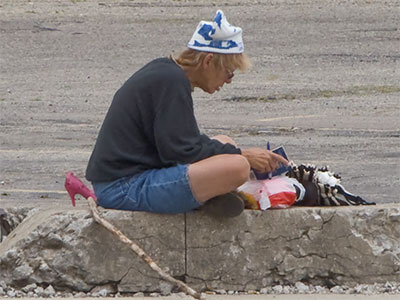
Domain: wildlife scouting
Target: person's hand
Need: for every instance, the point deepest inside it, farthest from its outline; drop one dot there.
(263, 160)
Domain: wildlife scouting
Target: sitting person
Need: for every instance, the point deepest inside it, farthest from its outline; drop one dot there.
(150, 154)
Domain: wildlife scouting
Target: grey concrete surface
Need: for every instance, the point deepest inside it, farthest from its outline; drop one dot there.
(320, 246)
(325, 84)
(68, 250)
(326, 247)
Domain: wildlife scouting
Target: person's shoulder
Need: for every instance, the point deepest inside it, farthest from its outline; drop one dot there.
(166, 71)
(160, 72)
(166, 66)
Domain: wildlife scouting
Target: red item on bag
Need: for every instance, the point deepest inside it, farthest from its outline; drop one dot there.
(278, 192)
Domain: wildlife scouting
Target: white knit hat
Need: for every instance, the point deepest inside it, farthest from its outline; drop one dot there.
(217, 36)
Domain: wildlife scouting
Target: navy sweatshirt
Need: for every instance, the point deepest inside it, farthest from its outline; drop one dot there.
(150, 125)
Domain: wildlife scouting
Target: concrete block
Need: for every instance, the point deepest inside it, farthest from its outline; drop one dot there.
(67, 249)
(321, 246)
(327, 246)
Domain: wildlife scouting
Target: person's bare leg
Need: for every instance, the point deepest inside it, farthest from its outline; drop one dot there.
(217, 175)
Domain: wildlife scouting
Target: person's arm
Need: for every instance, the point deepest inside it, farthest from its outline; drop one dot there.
(259, 159)
(215, 141)
(263, 160)
(176, 132)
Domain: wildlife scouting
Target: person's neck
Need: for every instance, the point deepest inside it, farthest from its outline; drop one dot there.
(190, 73)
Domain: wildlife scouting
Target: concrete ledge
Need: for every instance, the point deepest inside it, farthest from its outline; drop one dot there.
(68, 250)
(326, 246)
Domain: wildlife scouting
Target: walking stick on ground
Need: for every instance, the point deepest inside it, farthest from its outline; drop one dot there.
(74, 186)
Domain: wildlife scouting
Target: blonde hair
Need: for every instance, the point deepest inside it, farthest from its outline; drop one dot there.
(193, 58)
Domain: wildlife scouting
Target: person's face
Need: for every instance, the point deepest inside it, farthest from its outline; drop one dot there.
(213, 78)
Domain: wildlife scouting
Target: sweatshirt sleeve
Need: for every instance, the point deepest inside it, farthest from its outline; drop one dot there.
(207, 140)
(177, 136)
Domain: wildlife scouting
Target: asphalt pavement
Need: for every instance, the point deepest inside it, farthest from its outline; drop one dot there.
(325, 84)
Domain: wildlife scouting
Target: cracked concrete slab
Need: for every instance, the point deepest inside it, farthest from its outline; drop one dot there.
(327, 246)
(320, 246)
(325, 84)
(69, 251)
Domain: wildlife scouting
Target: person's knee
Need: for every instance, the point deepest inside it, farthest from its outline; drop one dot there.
(241, 168)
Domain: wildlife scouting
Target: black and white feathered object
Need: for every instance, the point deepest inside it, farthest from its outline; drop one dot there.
(323, 187)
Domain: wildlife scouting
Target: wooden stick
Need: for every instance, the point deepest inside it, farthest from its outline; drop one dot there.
(139, 251)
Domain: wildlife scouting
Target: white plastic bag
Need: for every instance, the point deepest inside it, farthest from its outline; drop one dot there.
(277, 192)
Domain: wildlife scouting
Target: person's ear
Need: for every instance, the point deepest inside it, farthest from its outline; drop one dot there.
(207, 60)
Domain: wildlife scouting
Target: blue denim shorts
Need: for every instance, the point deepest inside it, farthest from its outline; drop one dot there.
(164, 190)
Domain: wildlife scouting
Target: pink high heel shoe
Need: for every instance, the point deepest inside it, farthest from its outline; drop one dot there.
(74, 186)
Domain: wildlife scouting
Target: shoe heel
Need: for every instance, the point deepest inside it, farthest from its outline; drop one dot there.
(72, 196)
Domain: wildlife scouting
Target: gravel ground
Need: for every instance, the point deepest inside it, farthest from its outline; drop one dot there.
(34, 291)
(261, 297)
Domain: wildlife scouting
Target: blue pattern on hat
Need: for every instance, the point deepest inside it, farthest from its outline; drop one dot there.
(218, 19)
(205, 30)
(217, 44)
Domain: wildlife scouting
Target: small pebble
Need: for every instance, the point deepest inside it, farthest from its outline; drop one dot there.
(301, 287)
(80, 295)
(11, 294)
(358, 289)
(210, 293)
(371, 290)
(180, 294)
(140, 294)
(319, 289)
(29, 288)
(103, 293)
(3, 285)
(49, 291)
(337, 290)
(388, 285)
(278, 289)
(351, 291)
(39, 291)
(286, 290)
